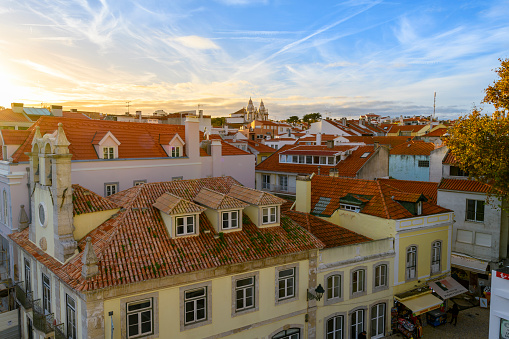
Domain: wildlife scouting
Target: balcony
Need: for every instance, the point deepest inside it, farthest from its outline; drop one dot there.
(59, 332)
(42, 322)
(24, 298)
(282, 189)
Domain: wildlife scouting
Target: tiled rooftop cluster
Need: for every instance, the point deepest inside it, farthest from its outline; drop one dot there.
(134, 245)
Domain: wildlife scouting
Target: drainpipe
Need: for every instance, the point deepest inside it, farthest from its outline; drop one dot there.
(27, 169)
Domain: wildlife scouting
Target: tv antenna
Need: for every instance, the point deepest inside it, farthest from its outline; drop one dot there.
(434, 102)
(127, 102)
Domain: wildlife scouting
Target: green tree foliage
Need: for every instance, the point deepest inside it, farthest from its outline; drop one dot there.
(293, 119)
(311, 117)
(480, 142)
(218, 122)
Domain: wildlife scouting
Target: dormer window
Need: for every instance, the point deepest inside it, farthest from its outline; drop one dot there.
(108, 153)
(352, 208)
(230, 220)
(419, 208)
(269, 215)
(223, 210)
(175, 151)
(185, 225)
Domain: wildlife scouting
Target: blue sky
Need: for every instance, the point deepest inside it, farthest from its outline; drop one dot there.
(340, 58)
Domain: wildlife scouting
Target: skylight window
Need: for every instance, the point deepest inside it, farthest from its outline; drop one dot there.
(365, 154)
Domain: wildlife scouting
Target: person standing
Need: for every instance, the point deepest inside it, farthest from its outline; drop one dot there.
(454, 312)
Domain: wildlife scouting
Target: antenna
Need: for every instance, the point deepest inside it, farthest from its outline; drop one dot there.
(434, 102)
(127, 102)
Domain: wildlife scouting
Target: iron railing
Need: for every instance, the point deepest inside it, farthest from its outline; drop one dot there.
(279, 188)
(24, 298)
(60, 331)
(42, 322)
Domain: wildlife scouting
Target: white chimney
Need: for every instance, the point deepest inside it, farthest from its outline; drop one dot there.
(17, 107)
(138, 115)
(318, 139)
(56, 110)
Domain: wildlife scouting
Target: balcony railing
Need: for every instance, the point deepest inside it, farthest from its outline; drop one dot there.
(59, 332)
(42, 322)
(279, 188)
(24, 298)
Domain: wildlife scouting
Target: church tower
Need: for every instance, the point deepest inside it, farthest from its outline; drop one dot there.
(250, 111)
(263, 113)
(52, 227)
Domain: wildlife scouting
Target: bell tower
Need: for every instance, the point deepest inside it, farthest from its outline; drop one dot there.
(52, 208)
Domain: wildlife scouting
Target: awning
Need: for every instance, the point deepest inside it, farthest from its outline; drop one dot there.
(447, 288)
(423, 303)
(469, 263)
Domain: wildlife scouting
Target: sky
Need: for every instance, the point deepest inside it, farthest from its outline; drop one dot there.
(339, 58)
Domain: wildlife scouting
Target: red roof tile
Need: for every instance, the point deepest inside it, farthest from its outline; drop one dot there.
(135, 245)
(429, 189)
(86, 201)
(74, 115)
(437, 133)
(9, 116)
(414, 147)
(449, 159)
(464, 185)
(258, 146)
(13, 137)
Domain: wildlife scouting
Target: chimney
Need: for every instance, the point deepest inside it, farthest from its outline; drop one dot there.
(89, 260)
(73, 110)
(192, 136)
(318, 139)
(343, 121)
(216, 150)
(17, 107)
(56, 110)
(138, 115)
(361, 122)
(200, 113)
(330, 143)
(376, 145)
(344, 155)
(401, 119)
(303, 193)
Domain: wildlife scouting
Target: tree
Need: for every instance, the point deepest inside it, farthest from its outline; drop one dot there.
(311, 117)
(217, 122)
(293, 119)
(480, 142)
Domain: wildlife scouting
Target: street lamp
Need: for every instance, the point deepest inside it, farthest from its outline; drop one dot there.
(319, 292)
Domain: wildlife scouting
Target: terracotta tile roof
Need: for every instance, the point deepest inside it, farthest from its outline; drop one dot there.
(449, 159)
(228, 149)
(254, 197)
(437, 133)
(287, 205)
(464, 185)
(390, 141)
(217, 201)
(9, 116)
(330, 234)
(13, 137)
(171, 204)
(75, 115)
(414, 147)
(407, 197)
(258, 146)
(379, 195)
(86, 201)
(346, 168)
(405, 128)
(429, 189)
(135, 245)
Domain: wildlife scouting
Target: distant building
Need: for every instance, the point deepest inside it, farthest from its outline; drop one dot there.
(411, 161)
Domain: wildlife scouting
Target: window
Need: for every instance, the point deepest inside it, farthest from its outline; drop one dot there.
(185, 225)
(423, 163)
(110, 188)
(455, 171)
(436, 254)
(411, 262)
(195, 302)
(108, 153)
(71, 317)
(28, 277)
(381, 275)
(286, 284)
(265, 182)
(269, 215)
(358, 281)
(357, 323)
(292, 333)
(175, 151)
(230, 220)
(334, 329)
(282, 158)
(244, 294)
(46, 294)
(334, 287)
(475, 210)
(283, 182)
(139, 318)
(365, 154)
(5, 207)
(177, 178)
(139, 182)
(352, 208)
(377, 321)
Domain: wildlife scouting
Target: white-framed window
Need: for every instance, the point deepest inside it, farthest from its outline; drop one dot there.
(282, 158)
(436, 254)
(381, 275)
(46, 294)
(347, 207)
(108, 152)
(334, 286)
(283, 182)
(110, 188)
(378, 321)
(411, 262)
(358, 281)
(70, 311)
(475, 210)
(286, 284)
(244, 294)
(291, 333)
(139, 318)
(185, 225)
(195, 305)
(139, 182)
(269, 215)
(230, 220)
(28, 277)
(175, 151)
(177, 178)
(265, 181)
(356, 323)
(334, 329)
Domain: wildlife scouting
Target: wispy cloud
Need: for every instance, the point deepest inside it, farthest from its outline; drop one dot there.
(197, 42)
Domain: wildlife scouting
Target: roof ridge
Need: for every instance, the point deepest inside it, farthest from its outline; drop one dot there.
(382, 195)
